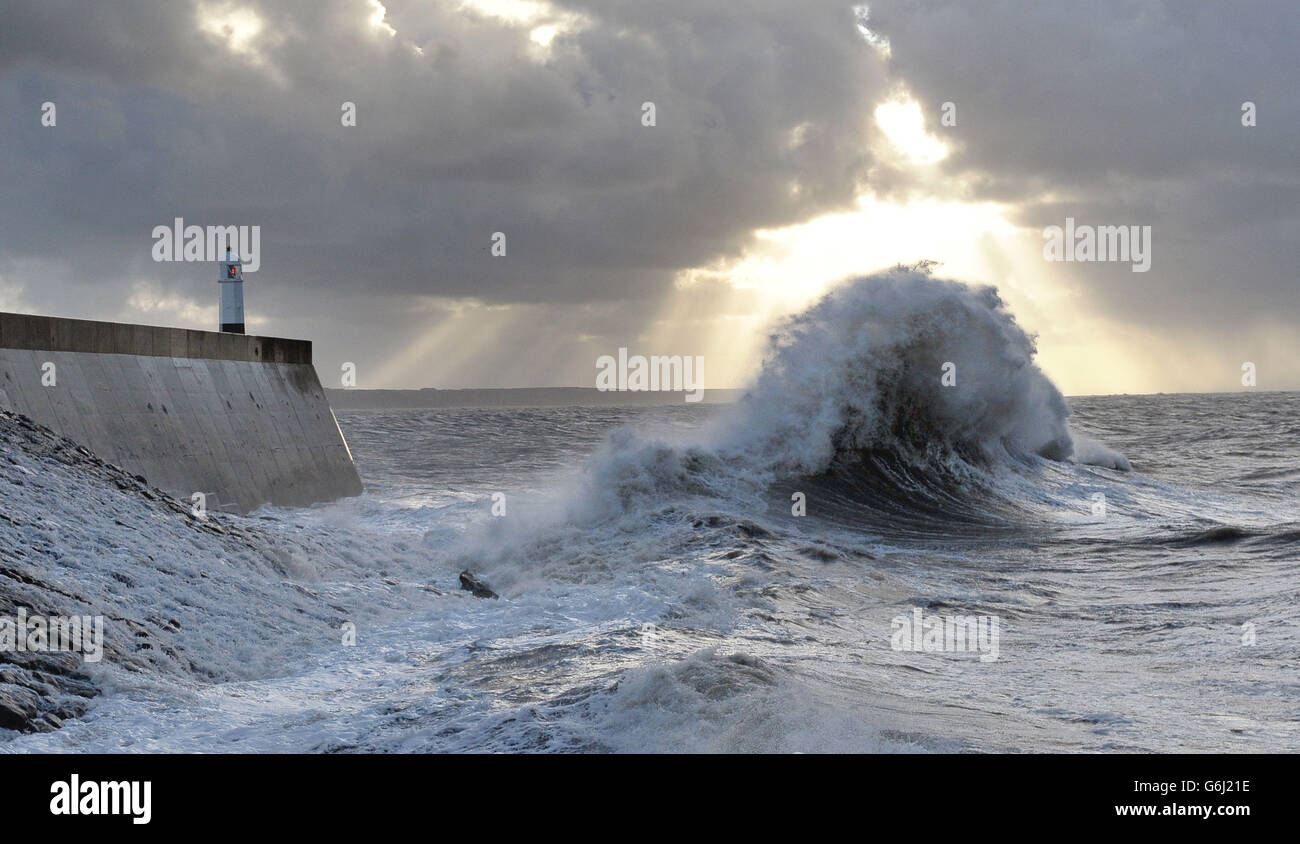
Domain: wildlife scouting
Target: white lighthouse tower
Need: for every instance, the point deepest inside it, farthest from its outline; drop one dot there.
(232, 292)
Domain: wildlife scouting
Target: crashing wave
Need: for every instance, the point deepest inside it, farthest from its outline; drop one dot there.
(857, 380)
(863, 370)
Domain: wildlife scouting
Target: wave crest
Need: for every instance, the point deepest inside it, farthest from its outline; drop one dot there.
(861, 371)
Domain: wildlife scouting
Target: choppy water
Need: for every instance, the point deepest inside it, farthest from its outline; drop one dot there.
(1120, 631)
(659, 594)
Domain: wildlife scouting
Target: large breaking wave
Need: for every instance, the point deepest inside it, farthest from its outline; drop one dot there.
(862, 371)
(855, 384)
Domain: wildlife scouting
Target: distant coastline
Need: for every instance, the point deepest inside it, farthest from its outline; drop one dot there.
(357, 399)
(428, 397)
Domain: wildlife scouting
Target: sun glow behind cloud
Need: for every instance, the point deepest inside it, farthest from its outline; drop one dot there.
(903, 125)
(543, 21)
(787, 269)
(377, 15)
(238, 27)
(241, 30)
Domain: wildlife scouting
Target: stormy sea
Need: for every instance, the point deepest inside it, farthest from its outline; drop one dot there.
(776, 574)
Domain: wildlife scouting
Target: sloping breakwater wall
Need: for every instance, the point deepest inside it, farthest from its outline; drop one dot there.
(240, 418)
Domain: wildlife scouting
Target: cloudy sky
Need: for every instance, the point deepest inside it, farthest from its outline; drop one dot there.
(794, 143)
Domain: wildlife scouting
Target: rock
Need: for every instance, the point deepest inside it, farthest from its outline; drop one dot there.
(18, 707)
(470, 583)
(12, 718)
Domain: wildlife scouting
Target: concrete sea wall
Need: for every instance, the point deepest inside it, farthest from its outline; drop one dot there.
(240, 418)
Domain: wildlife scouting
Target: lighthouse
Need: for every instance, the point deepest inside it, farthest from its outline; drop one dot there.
(232, 292)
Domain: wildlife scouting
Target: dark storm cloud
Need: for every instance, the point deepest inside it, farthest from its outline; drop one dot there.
(157, 119)
(1127, 113)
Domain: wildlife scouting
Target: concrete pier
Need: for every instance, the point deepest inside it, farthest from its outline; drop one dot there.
(240, 418)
